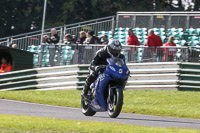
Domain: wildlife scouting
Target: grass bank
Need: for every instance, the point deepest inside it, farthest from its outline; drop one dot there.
(28, 124)
(161, 103)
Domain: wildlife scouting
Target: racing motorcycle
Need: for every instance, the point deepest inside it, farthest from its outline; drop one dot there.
(106, 93)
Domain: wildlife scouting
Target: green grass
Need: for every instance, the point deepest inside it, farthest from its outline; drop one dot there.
(161, 103)
(28, 124)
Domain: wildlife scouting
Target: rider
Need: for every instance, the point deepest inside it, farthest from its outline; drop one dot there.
(113, 49)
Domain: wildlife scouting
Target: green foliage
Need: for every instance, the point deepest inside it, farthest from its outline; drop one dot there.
(19, 14)
(162, 103)
(28, 124)
(24, 14)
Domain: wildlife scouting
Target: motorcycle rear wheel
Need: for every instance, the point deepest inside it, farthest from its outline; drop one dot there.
(115, 105)
(86, 110)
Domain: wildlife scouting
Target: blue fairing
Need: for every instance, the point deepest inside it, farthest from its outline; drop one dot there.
(116, 70)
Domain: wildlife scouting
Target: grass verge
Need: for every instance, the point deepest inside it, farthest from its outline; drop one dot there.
(161, 103)
(28, 124)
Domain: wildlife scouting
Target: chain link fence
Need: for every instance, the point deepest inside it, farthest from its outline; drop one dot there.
(165, 20)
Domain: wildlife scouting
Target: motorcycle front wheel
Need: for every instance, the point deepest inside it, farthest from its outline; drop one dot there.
(86, 110)
(115, 104)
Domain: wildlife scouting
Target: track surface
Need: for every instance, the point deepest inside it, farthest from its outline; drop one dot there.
(31, 109)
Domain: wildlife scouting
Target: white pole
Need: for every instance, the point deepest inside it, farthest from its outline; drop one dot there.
(43, 21)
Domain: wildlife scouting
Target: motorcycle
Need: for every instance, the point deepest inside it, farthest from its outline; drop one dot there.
(106, 93)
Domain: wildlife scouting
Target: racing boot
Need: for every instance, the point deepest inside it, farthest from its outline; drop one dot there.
(85, 92)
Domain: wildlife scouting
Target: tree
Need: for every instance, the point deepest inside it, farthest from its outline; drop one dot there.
(17, 16)
(20, 16)
(197, 5)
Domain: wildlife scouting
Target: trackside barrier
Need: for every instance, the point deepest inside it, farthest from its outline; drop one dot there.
(65, 77)
(162, 76)
(189, 76)
(144, 76)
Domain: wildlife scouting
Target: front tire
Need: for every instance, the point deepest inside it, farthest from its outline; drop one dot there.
(115, 105)
(86, 110)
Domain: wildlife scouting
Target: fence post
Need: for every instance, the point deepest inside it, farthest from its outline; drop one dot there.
(113, 23)
(7, 41)
(117, 21)
(134, 21)
(41, 55)
(169, 22)
(151, 22)
(61, 35)
(188, 22)
(64, 32)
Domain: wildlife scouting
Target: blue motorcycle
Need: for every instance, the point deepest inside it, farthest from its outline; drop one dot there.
(106, 93)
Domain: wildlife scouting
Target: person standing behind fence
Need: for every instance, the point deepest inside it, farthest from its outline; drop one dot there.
(52, 41)
(132, 38)
(11, 45)
(91, 39)
(81, 39)
(132, 41)
(154, 41)
(170, 53)
(105, 39)
(69, 39)
(54, 37)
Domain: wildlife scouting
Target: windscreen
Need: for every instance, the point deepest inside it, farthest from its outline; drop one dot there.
(117, 61)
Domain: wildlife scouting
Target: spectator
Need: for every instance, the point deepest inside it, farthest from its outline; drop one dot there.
(82, 37)
(185, 52)
(9, 44)
(170, 53)
(193, 53)
(132, 38)
(52, 41)
(105, 39)
(14, 46)
(154, 41)
(5, 65)
(132, 41)
(69, 39)
(91, 39)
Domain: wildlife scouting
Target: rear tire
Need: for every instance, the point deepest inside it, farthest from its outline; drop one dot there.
(86, 110)
(115, 107)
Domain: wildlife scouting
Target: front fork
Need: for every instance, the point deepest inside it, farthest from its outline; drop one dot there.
(110, 94)
(111, 91)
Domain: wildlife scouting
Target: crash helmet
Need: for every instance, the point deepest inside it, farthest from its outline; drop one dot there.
(114, 48)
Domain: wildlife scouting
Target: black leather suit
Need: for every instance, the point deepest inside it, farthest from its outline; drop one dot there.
(100, 59)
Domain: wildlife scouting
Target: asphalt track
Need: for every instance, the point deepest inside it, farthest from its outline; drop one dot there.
(12, 107)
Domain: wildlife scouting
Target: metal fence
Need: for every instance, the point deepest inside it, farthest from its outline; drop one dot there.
(83, 54)
(102, 24)
(33, 38)
(28, 39)
(123, 19)
(165, 20)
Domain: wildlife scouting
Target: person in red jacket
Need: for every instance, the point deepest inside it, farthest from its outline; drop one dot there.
(170, 53)
(154, 41)
(5, 66)
(132, 40)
